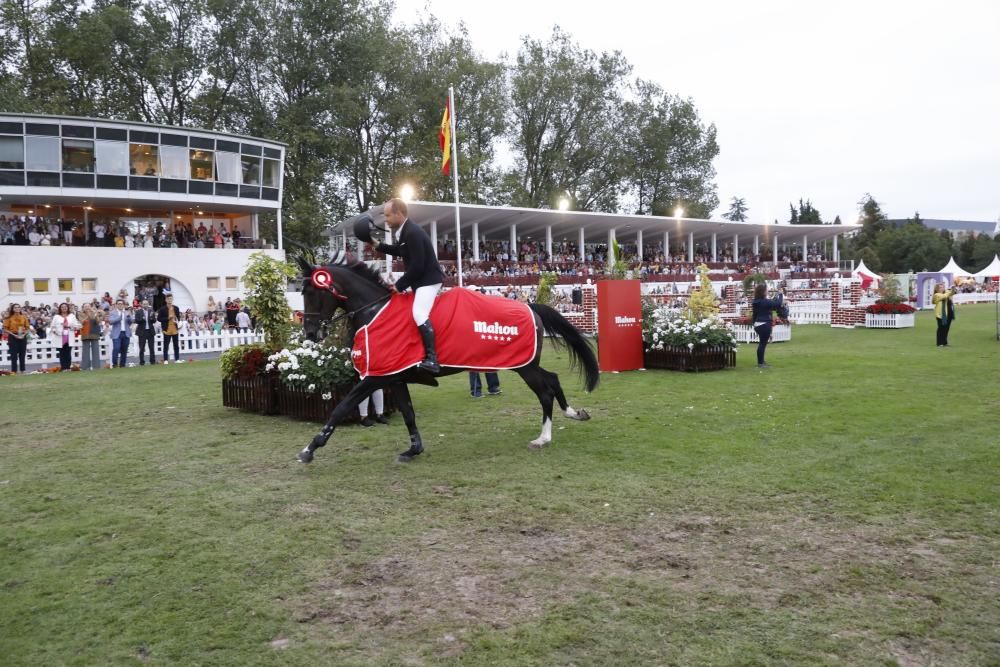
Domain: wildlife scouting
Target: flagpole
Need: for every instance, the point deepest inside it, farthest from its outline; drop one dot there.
(454, 171)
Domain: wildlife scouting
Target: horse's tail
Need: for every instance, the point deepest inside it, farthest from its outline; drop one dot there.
(563, 332)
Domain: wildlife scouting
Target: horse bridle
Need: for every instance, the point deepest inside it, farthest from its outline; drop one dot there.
(322, 279)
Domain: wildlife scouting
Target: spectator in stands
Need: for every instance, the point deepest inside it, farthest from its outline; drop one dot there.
(121, 332)
(762, 314)
(64, 327)
(18, 328)
(492, 384)
(91, 329)
(169, 317)
(145, 329)
(944, 312)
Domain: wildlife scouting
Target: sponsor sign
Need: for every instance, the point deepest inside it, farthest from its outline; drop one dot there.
(619, 325)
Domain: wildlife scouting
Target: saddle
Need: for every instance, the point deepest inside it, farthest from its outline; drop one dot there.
(473, 331)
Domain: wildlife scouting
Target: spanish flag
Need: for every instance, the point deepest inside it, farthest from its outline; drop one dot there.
(444, 138)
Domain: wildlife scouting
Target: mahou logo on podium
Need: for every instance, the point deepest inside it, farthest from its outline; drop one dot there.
(619, 325)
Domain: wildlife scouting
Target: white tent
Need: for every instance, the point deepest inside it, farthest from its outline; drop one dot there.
(955, 270)
(864, 274)
(991, 271)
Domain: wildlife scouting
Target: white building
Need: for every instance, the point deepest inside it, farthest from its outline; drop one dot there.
(92, 173)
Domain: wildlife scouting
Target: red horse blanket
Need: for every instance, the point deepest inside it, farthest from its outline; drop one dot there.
(471, 330)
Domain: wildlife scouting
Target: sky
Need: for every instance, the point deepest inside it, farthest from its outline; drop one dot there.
(819, 101)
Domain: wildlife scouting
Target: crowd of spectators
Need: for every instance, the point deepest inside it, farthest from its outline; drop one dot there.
(49, 321)
(42, 231)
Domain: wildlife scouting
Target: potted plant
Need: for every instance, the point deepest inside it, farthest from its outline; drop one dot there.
(696, 339)
(890, 310)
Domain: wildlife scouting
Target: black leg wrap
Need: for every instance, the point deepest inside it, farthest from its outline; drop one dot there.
(416, 447)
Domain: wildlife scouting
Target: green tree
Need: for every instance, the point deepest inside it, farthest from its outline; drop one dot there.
(669, 154)
(737, 210)
(805, 214)
(566, 112)
(910, 247)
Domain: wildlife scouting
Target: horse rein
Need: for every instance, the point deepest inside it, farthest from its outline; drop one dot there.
(349, 313)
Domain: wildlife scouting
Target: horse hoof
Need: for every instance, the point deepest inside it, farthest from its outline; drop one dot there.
(582, 415)
(537, 444)
(409, 454)
(305, 456)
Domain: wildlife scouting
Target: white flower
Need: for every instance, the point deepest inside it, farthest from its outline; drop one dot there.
(284, 366)
(327, 396)
(703, 341)
(269, 367)
(312, 387)
(690, 346)
(319, 363)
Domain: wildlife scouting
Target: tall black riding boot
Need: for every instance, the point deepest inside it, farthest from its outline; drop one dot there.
(430, 362)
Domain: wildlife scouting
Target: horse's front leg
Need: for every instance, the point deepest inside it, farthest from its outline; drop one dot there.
(401, 392)
(343, 409)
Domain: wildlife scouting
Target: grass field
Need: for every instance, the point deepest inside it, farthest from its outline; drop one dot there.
(840, 508)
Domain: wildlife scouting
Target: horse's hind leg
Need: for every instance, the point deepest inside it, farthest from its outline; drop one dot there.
(556, 387)
(350, 403)
(535, 378)
(401, 392)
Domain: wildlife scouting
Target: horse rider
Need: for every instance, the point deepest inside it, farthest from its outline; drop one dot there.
(421, 272)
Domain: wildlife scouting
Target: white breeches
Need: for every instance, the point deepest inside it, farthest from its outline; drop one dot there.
(423, 301)
(376, 398)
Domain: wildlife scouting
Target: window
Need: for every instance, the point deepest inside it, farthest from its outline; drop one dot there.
(15, 285)
(213, 283)
(232, 282)
(144, 159)
(112, 158)
(77, 155)
(11, 153)
(41, 285)
(88, 284)
(42, 153)
(174, 162)
(251, 170)
(271, 176)
(201, 165)
(227, 167)
(65, 284)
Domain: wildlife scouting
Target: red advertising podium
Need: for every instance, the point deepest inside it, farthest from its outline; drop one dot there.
(619, 325)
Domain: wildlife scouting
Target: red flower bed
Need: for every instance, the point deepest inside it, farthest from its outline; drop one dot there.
(747, 321)
(890, 309)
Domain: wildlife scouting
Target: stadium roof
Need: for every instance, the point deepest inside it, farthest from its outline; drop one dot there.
(495, 222)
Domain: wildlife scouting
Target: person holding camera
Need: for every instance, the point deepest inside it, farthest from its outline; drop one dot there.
(761, 318)
(145, 329)
(944, 311)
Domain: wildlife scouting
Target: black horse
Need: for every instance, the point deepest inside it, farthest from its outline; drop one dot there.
(360, 291)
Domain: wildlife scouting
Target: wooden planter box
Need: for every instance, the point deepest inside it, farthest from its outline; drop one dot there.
(745, 333)
(700, 358)
(889, 321)
(256, 394)
(266, 395)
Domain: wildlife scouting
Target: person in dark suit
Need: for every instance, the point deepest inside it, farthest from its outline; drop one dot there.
(145, 319)
(422, 273)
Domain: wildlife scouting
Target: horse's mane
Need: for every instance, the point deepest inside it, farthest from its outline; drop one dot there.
(361, 269)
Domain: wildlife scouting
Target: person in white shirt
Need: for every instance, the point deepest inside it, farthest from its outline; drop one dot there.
(34, 238)
(64, 327)
(99, 233)
(243, 321)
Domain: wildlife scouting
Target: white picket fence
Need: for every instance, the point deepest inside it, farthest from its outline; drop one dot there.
(973, 297)
(45, 351)
(809, 312)
(747, 334)
(889, 321)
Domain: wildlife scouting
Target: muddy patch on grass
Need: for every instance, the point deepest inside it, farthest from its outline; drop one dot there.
(454, 582)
